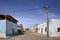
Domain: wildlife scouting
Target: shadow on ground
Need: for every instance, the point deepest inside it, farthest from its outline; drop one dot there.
(18, 34)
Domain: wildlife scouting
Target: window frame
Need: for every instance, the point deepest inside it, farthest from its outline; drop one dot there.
(58, 29)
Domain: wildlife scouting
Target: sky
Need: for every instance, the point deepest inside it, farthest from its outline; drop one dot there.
(30, 12)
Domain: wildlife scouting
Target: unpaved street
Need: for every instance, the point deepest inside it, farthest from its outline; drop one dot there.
(30, 36)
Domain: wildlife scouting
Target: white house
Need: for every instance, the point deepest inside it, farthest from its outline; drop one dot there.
(42, 28)
(54, 28)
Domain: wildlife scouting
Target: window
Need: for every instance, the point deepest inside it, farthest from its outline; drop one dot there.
(45, 29)
(58, 29)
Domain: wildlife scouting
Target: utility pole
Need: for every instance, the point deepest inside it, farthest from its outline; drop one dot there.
(47, 21)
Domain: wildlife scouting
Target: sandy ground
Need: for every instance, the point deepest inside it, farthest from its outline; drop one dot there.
(31, 36)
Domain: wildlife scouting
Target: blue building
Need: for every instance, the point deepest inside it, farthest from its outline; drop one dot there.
(8, 25)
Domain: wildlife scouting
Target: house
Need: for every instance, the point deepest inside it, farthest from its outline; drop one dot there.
(20, 28)
(8, 25)
(42, 28)
(54, 28)
(34, 28)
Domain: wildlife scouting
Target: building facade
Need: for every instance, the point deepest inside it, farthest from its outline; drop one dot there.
(42, 28)
(54, 28)
(8, 25)
(20, 26)
(35, 28)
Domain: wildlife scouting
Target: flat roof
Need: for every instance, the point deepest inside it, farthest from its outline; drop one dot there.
(9, 16)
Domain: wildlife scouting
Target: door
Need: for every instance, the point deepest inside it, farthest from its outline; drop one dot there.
(36, 29)
(12, 30)
(41, 30)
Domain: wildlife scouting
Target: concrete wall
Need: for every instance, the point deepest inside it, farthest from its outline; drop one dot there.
(9, 27)
(53, 25)
(41, 27)
(2, 28)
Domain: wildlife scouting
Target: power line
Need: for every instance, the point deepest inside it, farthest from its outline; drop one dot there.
(23, 10)
(29, 9)
(51, 5)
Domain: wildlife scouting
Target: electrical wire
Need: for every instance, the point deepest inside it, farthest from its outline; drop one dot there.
(50, 6)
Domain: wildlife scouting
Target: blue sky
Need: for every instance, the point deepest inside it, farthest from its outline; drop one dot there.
(30, 12)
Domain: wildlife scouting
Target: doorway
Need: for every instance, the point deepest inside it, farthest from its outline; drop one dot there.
(41, 30)
(36, 29)
(12, 30)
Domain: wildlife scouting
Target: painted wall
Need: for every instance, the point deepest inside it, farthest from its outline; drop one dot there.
(33, 29)
(41, 29)
(9, 27)
(2, 28)
(53, 25)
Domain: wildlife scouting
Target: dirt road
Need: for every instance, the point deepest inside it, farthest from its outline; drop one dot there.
(30, 36)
